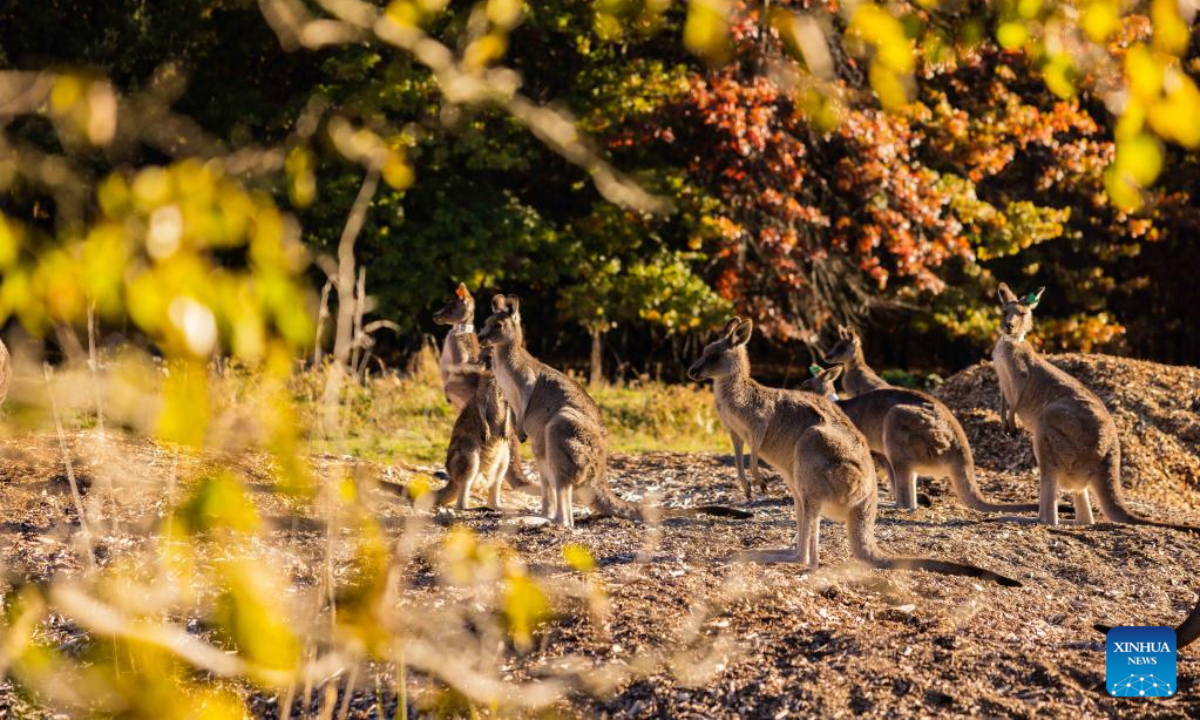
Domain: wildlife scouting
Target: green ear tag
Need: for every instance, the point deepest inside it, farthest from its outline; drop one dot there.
(1031, 298)
(815, 370)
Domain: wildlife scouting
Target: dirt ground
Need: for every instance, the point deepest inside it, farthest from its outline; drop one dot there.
(691, 633)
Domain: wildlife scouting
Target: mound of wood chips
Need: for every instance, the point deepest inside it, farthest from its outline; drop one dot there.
(1156, 408)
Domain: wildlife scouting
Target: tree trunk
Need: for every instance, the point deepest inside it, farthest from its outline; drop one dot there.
(596, 376)
(344, 329)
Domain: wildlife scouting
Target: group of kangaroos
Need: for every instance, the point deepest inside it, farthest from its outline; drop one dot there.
(824, 445)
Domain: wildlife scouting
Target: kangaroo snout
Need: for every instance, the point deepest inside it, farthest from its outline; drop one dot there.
(693, 372)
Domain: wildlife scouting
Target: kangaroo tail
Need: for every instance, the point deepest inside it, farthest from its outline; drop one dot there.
(1189, 631)
(1111, 498)
(606, 503)
(963, 480)
(1185, 634)
(713, 510)
(860, 527)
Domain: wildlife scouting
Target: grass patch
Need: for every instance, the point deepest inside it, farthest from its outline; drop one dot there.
(404, 418)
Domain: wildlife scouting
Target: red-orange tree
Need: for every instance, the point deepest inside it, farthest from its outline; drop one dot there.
(820, 204)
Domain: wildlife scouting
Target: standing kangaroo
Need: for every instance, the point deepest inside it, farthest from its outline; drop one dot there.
(1186, 634)
(740, 440)
(563, 423)
(1075, 439)
(479, 443)
(823, 458)
(460, 370)
(912, 434)
(857, 376)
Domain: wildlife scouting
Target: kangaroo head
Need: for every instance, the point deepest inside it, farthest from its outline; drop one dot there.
(822, 381)
(460, 309)
(503, 326)
(1016, 314)
(723, 356)
(847, 347)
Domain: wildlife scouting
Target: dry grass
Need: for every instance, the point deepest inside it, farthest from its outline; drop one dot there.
(404, 418)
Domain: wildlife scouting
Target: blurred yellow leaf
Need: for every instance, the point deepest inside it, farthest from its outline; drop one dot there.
(11, 234)
(1140, 158)
(1171, 33)
(1143, 72)
(403, 13)
(578, 557)
(893, 48)
(418, 487)
(1121, 189)
(504, 13)
(218, 502)
(484, 51)
(1012, 35)
(249, 615)
(706, 31)
(66, 93)
(526, 607)
(1100, 19)
(302, 185)
(1177, 116)
(396, 172)
(1061, 75)
(151, 188)
(184, 416)
(888, 86)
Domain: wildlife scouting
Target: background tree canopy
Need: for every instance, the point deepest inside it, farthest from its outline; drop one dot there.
(939, 149)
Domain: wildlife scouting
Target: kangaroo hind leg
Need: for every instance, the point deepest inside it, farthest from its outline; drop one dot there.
(1083, 507)
(740, 463)
(1048, 488)
(904, 484)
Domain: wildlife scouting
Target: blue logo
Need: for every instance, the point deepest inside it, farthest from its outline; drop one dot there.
(1140, 662)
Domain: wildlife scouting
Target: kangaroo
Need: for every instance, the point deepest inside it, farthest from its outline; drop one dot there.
(739, 442)
(1186, 634)
(459, 362)
(563, 423)
(912, 434)
(1075, 440)
(858, 377)
(460, 370)
(823, 458)
(479, 446)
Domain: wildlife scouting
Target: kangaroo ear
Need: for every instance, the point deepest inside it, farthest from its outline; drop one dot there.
(499, 303)
(514, 304)
(834, 373)
(461, 291)
(729, 326)
(1005, 293)
(1033, 298)
(741, 333)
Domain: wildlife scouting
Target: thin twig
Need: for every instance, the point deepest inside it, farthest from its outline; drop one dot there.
(322, 316)
(66, 452)
(350, 682)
